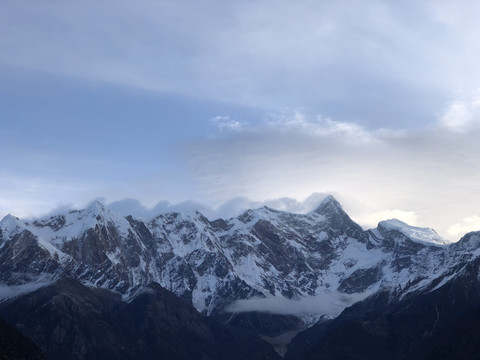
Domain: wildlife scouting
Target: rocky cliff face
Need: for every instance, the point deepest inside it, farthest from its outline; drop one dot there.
(175, 264)
(261, 253)
(438, 324)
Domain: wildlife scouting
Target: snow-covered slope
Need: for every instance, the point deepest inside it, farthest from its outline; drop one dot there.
(418, 234)
(261, 253)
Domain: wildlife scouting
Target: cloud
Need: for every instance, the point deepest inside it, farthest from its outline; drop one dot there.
(370, 220)
(465, 225)
(135, 208)
(224, 123)
(286, 154)
(462, 115)
(297, 122)
(229, 209)
(368, 58)
(10, 291)
(326, 304)
(127, 207)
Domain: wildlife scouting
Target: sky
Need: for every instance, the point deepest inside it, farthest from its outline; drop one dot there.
(224, 105)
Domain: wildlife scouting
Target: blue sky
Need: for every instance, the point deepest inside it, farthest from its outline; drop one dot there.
(225, 105)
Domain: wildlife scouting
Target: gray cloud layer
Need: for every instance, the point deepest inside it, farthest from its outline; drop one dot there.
(377, 62)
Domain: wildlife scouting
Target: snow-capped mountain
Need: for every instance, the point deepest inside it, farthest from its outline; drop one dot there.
(261, 253)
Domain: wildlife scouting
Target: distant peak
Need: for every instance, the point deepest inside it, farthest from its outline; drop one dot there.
(328, 205)
(328, 199)
(201, 217)
(394, 224)
(95, 207)
(269, 209)
(11, 223)
(415, 233)
(8, 218)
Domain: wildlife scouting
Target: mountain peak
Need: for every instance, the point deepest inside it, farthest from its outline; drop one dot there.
(414, 233)
(328, 205)
(95, 208)
(268, 209)
(9, 218)
(10, 223)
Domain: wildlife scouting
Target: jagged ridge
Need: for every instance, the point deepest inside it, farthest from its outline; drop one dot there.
(262, 252)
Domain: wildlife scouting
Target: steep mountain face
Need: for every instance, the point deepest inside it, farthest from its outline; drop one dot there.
(440, 324)
(210, 263)
(404, 274)
(261, 253)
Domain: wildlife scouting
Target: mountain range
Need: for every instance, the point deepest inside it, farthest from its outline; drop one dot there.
(91, 284)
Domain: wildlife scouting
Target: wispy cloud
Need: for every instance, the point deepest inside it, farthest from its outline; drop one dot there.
(326, 304)
(296, 122)
(9, 291)
(462, 115)
(467, 224)
(224, 123)
(230, 208)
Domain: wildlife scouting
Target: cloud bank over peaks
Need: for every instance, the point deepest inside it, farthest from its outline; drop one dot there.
(229, 209)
